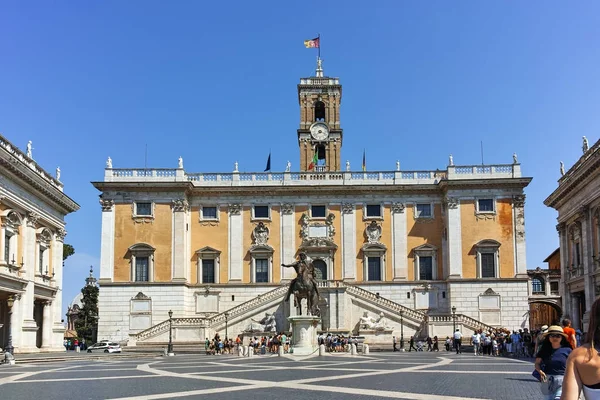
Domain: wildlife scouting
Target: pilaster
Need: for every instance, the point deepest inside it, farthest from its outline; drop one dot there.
(180, 257)
(107, 241)
(400, 244)
(46, 326)
(454, 238)
(57, 268)
(519, 222)
(288, 247)
(235, 242)
(588, 264)
(348, 242)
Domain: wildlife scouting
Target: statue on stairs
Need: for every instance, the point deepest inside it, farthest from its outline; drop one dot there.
(304, 286)
(267, 324)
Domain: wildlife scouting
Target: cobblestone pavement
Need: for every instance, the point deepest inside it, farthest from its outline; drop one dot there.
(439, 376)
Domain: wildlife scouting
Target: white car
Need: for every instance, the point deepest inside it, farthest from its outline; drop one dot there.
(105, 346)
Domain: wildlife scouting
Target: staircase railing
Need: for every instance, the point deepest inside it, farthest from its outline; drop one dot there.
(462, 319)
(248, 305)
(385, 303)
(164, 326)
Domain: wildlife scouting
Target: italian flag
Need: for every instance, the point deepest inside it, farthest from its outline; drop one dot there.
(313, 162)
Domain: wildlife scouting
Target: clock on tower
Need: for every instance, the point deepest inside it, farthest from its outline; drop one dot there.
(320, 132)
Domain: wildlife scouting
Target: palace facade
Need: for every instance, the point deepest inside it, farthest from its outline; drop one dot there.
(427, 250)
(577, 200)
(32, 212)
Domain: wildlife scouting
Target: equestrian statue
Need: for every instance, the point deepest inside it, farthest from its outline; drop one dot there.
(304, 285)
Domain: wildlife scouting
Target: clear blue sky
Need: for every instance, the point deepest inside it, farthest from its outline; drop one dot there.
(85, 80)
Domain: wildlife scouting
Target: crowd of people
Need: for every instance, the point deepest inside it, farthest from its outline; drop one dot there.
(260, 345)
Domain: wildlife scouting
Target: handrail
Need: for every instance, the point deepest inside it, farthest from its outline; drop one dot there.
(382, 301)
(252, 303)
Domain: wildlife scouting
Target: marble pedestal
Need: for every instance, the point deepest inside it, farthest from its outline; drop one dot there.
(379, 337)
(304, 334)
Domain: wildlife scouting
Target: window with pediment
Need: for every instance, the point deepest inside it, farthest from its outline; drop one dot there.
(142, 262)
(44, 239)
(425, 259)
(488, 253)
(11, 222)
(208, 265)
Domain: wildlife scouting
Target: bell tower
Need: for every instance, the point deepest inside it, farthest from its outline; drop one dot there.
(320, 133)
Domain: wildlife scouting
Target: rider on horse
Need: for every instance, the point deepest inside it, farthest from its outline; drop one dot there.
(302, 267)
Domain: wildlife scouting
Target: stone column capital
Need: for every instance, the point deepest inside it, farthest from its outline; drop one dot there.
(107, 204)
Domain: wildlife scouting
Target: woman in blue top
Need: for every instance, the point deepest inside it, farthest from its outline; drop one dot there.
(551, 361)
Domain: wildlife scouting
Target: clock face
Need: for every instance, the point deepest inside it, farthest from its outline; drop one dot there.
(319, 131)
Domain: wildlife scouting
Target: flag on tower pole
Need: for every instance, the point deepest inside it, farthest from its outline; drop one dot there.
(268, 168)
(364, 164)
(314, 161)
(312, 43)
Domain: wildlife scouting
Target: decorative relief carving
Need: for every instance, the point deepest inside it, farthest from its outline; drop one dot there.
(560, 227)
(451, 202)
(373, 232)
(398, 208)
(520, 222)
(260, 234)
(304, 226)
(140, 296)
(180, 205)
(60, 234)
(330, 227)
(107, 204)
(235, 209)
(32, 219)
(519, 201)
(489, 292)
(347, 208)
(287, 208)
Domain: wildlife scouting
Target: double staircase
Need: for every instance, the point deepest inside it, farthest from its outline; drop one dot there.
(419, 320)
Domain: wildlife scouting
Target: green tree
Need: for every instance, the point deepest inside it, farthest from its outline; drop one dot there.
(87, 322)
(68, 251)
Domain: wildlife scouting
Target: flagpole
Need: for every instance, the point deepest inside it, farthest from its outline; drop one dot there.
(319, 53)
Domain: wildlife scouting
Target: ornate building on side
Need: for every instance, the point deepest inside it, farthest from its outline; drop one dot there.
(411, 245)
(577, 200)
(32, 210)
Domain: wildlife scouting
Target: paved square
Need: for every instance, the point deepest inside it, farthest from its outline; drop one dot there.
(420, 376)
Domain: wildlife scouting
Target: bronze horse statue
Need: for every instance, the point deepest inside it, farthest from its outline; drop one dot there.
(304, 286)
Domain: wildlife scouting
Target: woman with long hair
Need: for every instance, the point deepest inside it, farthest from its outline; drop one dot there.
(551, 361)
(583, 366)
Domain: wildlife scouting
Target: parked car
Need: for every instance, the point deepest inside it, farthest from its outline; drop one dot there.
(105, 346)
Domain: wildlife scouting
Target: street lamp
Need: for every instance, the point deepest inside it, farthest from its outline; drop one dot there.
(10, 302)
(170, 347)
(401, 330)
(453, 319)
(226, 316)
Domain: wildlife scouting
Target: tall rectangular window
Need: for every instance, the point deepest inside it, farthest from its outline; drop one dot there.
(374, 268)
(208, 271)
(425, 268)
(261, 270)
(577, 254)
(488, 265)
(142, 266)
(7, 247)
(423, 210)
(41, 260)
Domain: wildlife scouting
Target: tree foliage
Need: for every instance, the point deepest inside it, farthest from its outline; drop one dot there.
(87, 321)
(68, 251)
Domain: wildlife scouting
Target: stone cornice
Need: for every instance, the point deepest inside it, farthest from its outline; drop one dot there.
(576, 176)
(36, 181)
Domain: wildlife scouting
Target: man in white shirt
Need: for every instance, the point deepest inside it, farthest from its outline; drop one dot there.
(458, 341)
(476, 338)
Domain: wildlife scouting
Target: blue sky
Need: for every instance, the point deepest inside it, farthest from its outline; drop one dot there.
(85, 80)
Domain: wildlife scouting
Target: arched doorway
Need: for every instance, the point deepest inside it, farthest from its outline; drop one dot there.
(320, 270)
(543, 313)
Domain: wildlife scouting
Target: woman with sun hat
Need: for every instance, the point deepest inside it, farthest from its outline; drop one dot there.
(551, 361)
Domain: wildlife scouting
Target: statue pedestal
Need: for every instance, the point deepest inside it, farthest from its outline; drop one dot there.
(304, 334)
(373, 336)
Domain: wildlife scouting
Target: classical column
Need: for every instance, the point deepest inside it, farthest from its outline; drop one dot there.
(29, 257)
(46, 325)
(564, 262)
(288, 248)
(454, 238)
(57, 267)
(236, 242)
(348, 241)
(587, 251)
(519, 221)
(180, 257)
(399, 242)
(107, 241)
